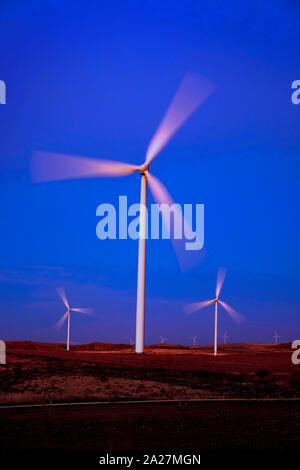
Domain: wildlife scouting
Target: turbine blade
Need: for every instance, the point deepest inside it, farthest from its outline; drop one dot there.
(164, 199)
(62, 320)
(181, 226)
(237, 317)
(191, 308)
(87, 311)
(220, 279)
(56, 166)
(62, 295)
(192, 91)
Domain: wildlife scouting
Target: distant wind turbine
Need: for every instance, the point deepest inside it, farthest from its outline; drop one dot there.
(225, 337)
(67, 315)
(190, 308)
(194, 339)
(191, 93)
(162, 340)
(275, 337)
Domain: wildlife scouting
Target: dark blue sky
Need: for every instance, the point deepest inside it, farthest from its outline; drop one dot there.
(95, 78)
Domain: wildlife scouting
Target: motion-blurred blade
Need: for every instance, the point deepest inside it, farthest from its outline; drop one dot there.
(220, 281)
(237, 317)
(162, 197)
(56, 166)
(62, 295)
(62, 320)
(192, 91)
(191, 308)
(180, 224)
(87, 311)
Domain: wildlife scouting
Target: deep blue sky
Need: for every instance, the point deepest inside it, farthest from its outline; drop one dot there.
(95, 78)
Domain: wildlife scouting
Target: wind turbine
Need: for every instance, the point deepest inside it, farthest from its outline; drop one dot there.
(192, 91)
(275, 337)
(194, 339)
(67, 315)
(190, 308)
(225, 337)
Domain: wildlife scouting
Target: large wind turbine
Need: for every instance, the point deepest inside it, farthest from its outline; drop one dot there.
(190, 308)
(192, 91)
(67, 315)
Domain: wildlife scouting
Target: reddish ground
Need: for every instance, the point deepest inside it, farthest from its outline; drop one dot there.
(188, 427)
(104, 371)
(47, 373)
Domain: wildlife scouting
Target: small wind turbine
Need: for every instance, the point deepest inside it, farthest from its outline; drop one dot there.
(194, 339)
(45, 166)
(67, 315)
(275, 337)
(162, 340)
(190, 308)
(225, 337)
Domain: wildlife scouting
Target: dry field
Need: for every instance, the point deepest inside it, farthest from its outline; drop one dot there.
(42, 372)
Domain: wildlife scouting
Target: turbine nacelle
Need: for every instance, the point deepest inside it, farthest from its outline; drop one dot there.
(64, 299)
(143, 168)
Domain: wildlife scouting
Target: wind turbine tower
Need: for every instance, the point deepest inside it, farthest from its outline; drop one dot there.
(194, 339)
(275, 337)
(225, 337)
